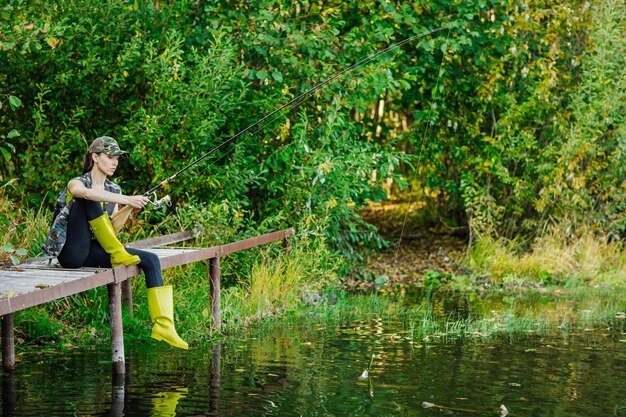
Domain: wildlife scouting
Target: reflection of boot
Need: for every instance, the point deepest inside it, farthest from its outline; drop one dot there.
(161, 306)
(164, 403)
(103, 230)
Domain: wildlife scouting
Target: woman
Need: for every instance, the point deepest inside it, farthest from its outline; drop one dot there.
(82, 233)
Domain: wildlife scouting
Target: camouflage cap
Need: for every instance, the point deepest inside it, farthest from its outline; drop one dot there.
(107, 145)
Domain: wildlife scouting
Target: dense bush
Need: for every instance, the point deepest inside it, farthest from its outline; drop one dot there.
(510, 116)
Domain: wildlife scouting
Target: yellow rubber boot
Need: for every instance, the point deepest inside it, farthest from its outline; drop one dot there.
(103, 230)
(161, 307)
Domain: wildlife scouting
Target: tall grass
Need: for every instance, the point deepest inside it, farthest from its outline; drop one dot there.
(22, 228)
(552, 258)
(279, 284)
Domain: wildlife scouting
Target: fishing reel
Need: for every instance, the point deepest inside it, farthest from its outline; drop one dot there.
(158, 203)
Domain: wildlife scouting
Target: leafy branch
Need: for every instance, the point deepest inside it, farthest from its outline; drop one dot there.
(14, 103)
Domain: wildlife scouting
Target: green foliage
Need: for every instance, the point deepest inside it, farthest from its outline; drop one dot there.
(497, 109)
(433, 279)
(8, 251)
(7, 147)
(586, 184)
(510, 117)
(174, 81)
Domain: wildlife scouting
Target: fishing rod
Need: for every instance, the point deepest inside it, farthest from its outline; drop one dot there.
(293, 103)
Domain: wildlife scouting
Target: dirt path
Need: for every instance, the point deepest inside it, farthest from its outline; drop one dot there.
(415, 252)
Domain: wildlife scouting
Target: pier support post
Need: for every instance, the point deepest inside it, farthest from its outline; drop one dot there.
(8, 343)
(8, 394)
(117, 329)
(287, 245)
(127, 296)
(214, 272)
(118, 392)
(215, 381)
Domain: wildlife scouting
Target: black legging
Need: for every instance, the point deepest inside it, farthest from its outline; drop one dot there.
(81, 250)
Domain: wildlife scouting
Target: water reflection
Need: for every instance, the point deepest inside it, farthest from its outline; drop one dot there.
(164, 403)
(314, 368)
(118, 394)
(215, 378)
(8, 394)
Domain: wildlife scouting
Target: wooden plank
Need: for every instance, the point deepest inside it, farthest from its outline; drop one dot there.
(14, 282)
(44, 295)
(33, 268)
(164, 253)
(163, 240)
(257, 241)
(44, 274)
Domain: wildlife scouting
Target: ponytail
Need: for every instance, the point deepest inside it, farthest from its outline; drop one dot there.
(87, 162)
(95, 147)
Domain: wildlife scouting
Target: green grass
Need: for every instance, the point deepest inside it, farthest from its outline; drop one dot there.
(553, 258)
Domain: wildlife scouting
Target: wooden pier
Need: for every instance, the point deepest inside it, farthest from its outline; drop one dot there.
(34, 282)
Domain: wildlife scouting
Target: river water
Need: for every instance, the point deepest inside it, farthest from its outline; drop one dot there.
(315, 368)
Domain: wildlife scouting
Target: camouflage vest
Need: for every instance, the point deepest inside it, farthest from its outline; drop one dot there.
(58, 230)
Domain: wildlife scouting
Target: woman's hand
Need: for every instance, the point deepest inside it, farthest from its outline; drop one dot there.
(137, 201)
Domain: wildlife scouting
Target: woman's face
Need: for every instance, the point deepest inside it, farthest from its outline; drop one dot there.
(106, 163)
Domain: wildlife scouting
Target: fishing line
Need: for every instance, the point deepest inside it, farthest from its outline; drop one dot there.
(421, 149)
(232, 149)
(296, 101)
